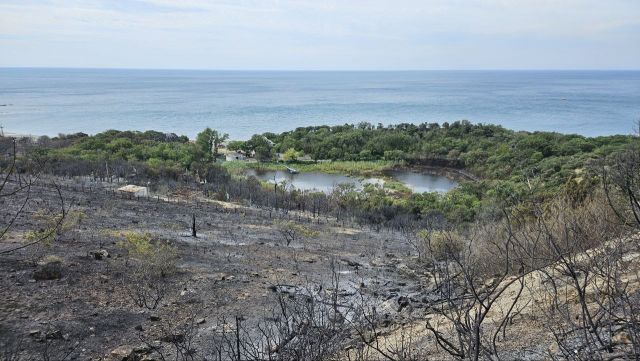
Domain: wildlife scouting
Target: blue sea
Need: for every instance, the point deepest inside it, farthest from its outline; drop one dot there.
(242, 103)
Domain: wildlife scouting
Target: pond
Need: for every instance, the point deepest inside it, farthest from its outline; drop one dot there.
(420, 182)
(325, 182)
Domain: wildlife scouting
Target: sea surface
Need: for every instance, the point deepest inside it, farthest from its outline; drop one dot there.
(242, 103)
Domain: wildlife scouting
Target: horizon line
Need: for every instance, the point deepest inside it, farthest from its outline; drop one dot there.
(315, 70)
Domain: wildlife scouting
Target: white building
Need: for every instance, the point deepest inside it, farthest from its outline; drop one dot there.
(134, 190)
(235, 156)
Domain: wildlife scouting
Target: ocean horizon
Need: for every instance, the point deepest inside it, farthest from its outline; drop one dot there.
(48, 101)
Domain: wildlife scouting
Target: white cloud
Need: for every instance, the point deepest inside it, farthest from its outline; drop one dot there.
(337, 34)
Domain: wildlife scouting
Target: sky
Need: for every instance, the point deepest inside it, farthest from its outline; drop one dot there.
(321, 35)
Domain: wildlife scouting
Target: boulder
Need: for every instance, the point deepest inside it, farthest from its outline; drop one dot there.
(49, 269)
(99, 254)
(54, 335)
(123, 353)
(173, 338)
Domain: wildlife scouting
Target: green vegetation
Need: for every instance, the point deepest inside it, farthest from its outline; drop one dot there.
(510, 165)
(354, 168)
(208, 142)
(157, 256)
(155, 148)
(489, 151)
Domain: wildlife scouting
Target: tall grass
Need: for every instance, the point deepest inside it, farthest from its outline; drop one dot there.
(354, 168)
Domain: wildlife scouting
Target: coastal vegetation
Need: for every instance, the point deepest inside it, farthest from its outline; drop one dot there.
(539, 239)
(494, 164)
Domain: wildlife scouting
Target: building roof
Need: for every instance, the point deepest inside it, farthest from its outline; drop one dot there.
(130, 188)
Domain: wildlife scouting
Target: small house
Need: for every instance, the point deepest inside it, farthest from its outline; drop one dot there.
(235, 156)
(136, 191)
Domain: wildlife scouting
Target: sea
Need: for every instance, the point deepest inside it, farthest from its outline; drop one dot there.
(242, 103)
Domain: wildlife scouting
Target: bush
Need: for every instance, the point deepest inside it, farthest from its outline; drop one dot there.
(442, 245)
(149, 262)
(158, 256)
(291, 231)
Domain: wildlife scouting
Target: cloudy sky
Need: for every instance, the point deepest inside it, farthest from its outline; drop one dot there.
(332, 34)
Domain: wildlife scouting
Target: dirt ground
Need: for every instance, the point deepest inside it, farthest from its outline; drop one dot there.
(235, 267)
(231, 269)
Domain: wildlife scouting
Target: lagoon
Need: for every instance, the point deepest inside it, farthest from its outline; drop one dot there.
(418, 182)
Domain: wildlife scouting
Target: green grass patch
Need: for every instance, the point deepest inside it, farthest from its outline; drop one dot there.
(352, 168)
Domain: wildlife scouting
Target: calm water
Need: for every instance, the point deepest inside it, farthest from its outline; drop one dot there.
(50, 101)
(417, 182)
(423, 182)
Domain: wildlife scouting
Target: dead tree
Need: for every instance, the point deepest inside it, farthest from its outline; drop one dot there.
(193, 226)
(306, 324)
(471, 274)
(16, 192)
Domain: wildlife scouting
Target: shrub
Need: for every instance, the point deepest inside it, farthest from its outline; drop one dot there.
(158, 256)
(149, 262)
(290, 231)
(441, 245)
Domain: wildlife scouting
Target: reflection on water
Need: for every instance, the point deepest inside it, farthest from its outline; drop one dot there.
(324, 182)
(423, 182)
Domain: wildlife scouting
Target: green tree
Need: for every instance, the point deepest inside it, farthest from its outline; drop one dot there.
(208, 142)
(236, 145)
(262, 147)
(290, 154)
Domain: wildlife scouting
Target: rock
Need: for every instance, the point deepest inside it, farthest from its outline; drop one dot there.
(139, 328)
(353, 264)
(49, 269)
(35, 333)
(154, 318)
(174, 338)
(123, 353)
(201, 321)
(220, 276)
(388, 307)
(142, 349)
(621, 338)
(99, 254)
(402, 303)
(54, 335)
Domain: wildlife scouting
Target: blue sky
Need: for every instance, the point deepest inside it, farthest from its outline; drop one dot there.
(332, 34)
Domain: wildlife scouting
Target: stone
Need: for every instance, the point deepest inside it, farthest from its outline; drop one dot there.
(173, 338)
(201, 321)
(402, 303)
(35, 333)
(142, 349)
(49, 269)
(154, 318)
(622, 338)
(123, 353)
(54, 335)
(99, 254)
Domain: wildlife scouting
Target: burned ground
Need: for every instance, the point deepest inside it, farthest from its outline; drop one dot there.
(233, 268)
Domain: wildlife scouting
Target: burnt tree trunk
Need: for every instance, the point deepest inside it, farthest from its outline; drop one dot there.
(193, 226)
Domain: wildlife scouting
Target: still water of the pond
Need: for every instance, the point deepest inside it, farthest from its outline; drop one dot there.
(324, 182)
